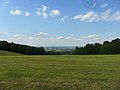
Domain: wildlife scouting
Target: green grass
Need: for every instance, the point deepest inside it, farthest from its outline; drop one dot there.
(97, 72)
(6, 53)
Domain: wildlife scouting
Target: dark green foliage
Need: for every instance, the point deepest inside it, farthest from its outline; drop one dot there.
(79, 51)
(89, 49)
(4, 45)
(23, 49)
(97, 47)
(107, 47)
(112, 47)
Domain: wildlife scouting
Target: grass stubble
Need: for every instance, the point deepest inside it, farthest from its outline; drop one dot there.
(65, 72)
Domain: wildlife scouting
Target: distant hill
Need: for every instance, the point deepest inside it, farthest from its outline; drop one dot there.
(6, 53)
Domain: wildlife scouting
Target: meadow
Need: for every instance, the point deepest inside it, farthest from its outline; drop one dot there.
(65, 72)
(6, 53)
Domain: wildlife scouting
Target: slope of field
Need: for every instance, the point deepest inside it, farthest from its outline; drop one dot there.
(6, 53)
(60, 72)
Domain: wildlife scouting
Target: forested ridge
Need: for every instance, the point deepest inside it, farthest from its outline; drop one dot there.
(23, 49)
(107, 47)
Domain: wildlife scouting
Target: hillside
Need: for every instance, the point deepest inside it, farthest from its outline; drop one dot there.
(6, 53)
(66, 72)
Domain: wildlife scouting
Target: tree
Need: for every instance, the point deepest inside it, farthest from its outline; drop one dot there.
(89, 49)
(4, 45)
(112, 47)
(97, 47)
(23, 49)
(79, 51)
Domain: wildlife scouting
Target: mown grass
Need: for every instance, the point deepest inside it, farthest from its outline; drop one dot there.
(97, 72)
(6, 53)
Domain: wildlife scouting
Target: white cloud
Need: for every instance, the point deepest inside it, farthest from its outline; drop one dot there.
(95, 17)
(87, 17)
(27, 14)
(42, 11)
(55, 40)
(63, 18)
(60, 37)
(55, 13)
(31, 38)
(105, 16)
(105, 5)
(17, 35)
(44, 14)
(92, 36)
(16, 12)
(116, 16)
(44, 8)
(42, 34)
(38, 13)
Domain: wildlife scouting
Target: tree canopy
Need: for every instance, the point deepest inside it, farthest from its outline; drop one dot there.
(23, 49)
(107, 47)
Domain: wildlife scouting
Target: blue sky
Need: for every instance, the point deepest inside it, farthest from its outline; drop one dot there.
(59, 22)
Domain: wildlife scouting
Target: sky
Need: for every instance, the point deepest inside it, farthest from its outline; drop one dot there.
(59, 22)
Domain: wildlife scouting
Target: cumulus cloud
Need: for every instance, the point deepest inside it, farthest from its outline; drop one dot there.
(87, 17)
(95, 17)
(27, 14)
(44, 14)
(38, 13)
(15, 12)
(42, 11)
(17, 35)
(42, 34)
(116, 16)
(61, 37)
(55, 13)
(92, 36)
(55, 40)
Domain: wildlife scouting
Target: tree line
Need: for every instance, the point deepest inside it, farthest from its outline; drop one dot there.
(28, 50)
(107, 47)
(23, 49)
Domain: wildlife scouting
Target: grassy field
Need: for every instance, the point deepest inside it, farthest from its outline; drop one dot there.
(100, 72)
(6, 53)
